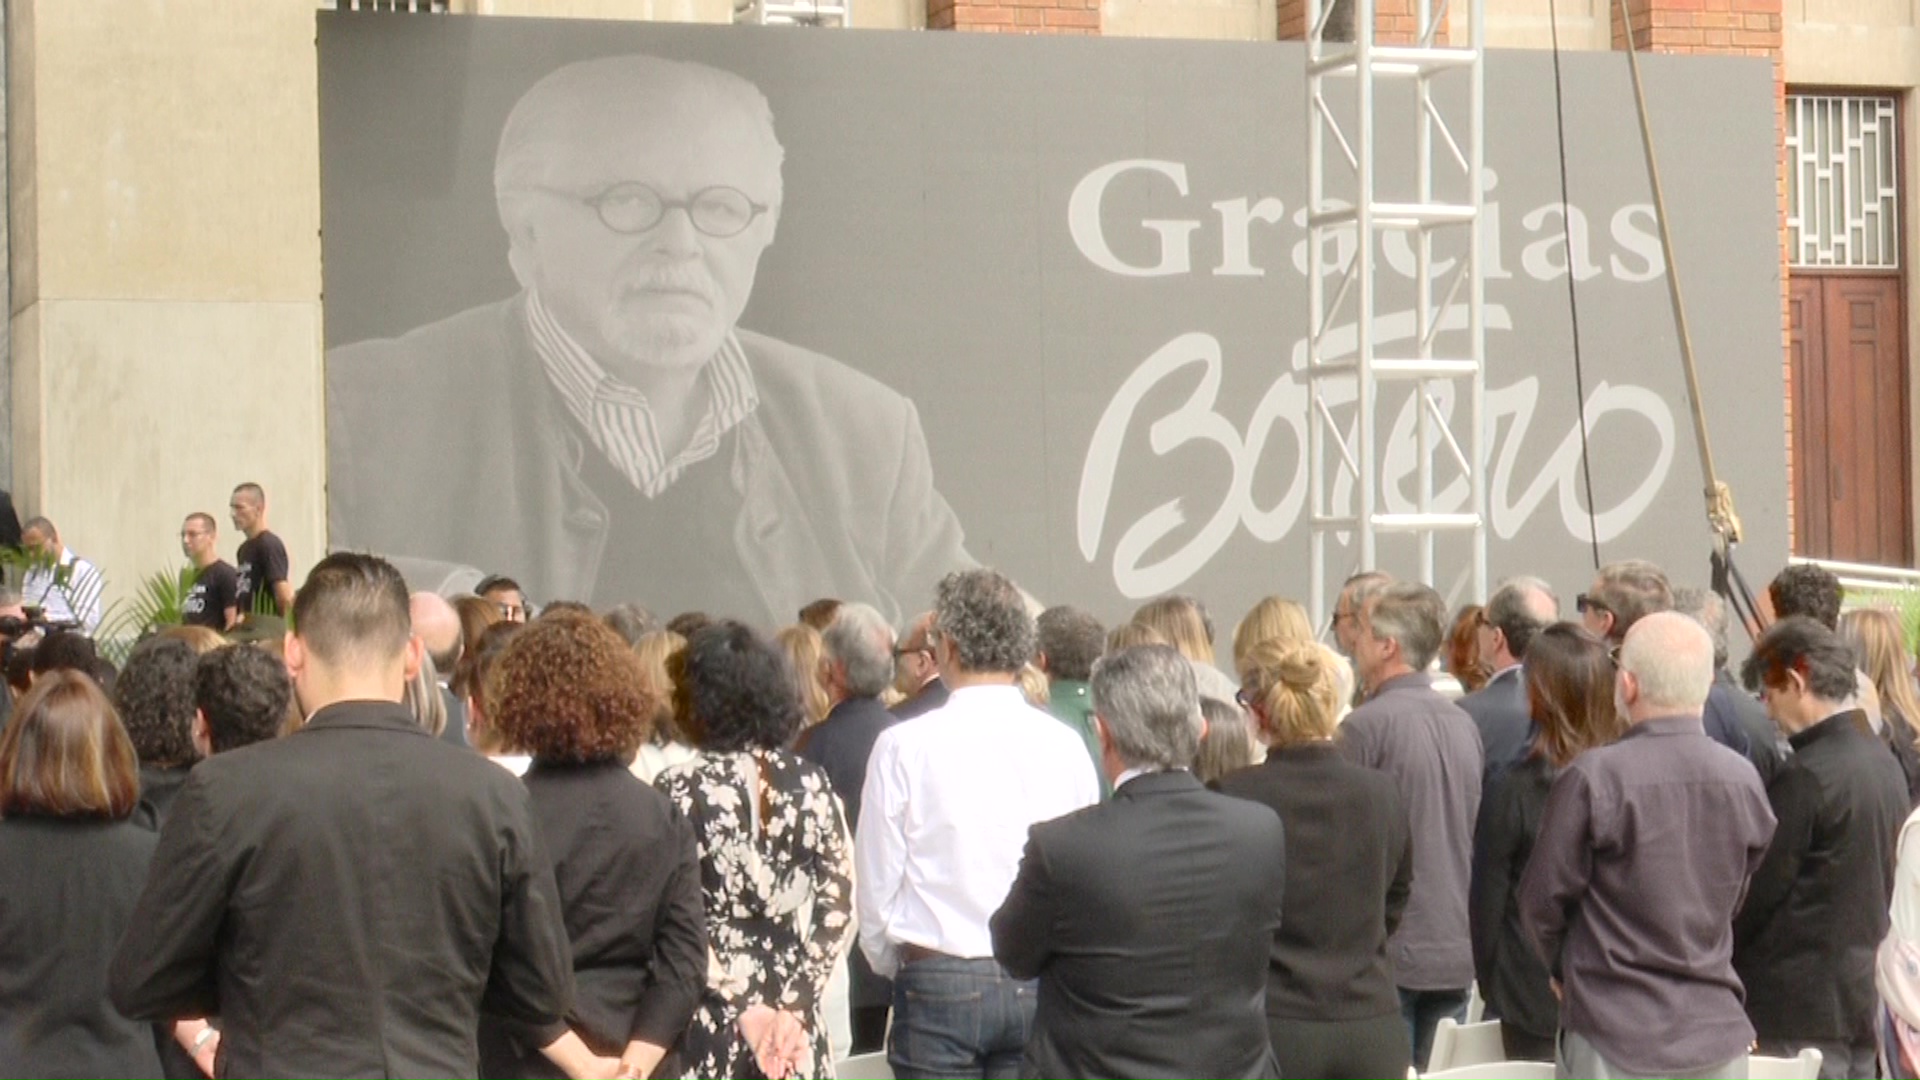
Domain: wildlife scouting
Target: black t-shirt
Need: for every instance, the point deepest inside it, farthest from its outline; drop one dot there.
(263, 562)
(214, 591)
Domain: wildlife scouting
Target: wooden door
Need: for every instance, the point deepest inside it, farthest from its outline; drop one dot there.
(1850, 444)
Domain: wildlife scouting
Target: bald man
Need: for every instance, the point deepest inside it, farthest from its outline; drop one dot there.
(439, 628)
(1644, 853)
(616, 435)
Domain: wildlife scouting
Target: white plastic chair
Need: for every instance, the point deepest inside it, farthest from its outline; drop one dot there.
(864, 1067)
(1804, 1067)
(1459, 1045)
(1497, 1070)
(1476, 1005)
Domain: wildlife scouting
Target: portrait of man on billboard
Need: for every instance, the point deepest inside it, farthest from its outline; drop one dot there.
(610, 433)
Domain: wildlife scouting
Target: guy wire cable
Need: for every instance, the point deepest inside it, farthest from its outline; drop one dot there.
(1573, 295)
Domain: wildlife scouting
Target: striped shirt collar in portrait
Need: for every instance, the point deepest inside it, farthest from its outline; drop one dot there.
(617, 417)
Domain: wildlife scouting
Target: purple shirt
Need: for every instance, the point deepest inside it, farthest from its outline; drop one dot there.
(1644, 854)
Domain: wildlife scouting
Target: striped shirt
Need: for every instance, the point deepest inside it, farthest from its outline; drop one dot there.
(617, 417)
(66, 592)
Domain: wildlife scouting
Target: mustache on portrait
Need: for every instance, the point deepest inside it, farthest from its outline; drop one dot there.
(689, 278)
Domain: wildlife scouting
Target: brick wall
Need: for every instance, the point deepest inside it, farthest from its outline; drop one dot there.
(1015, 16)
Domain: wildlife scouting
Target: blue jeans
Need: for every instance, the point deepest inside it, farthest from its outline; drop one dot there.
(958, 1018)
(1423, 1010)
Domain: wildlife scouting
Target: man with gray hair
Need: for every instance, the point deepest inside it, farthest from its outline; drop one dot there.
(1729, 706)
(858, 667)
(1430, 748)
(948, 800)
(1125, 990)
(1520, 608)
(1644, 853)
(1627, 591)
(619, 434)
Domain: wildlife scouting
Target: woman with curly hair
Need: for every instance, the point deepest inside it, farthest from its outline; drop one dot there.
(567, 691)
(775, 857)
(1570, 696)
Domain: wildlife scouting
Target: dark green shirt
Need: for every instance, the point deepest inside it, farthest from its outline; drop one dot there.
(1072, 701)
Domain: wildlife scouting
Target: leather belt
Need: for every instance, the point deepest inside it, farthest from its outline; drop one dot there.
(913, 954)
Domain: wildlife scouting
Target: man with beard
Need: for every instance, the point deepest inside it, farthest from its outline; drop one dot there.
(615, 433)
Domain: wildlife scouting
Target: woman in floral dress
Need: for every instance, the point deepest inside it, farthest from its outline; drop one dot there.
(775, 859)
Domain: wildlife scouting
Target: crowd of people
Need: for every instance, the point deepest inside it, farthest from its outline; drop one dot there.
(428, 835)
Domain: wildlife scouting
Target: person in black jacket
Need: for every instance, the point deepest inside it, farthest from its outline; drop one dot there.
(859, 648)
(74, 863)
(155, 697)
(1816, 910)
(1146, 917)
(1332, 1010)
(348, 899)
(1569, 688)
(568, 692)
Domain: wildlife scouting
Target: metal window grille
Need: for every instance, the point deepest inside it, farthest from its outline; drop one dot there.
(1843, 191)
(792, 12)
(433, 7)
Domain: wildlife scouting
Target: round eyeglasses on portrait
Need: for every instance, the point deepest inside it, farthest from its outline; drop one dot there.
(634, 207)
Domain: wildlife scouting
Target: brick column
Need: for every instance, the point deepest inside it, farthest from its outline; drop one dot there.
(1729, 28)
(1015, 16)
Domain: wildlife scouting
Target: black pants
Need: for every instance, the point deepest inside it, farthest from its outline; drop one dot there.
(1340, 1049)
(869, 1023)
(1521, 1046)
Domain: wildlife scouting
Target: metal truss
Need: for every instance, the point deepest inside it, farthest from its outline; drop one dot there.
(1376, 340)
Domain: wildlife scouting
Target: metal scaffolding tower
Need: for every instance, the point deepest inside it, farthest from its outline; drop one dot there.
(1435, 365)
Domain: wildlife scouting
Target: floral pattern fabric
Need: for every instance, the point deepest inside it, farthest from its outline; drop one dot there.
(776, 865)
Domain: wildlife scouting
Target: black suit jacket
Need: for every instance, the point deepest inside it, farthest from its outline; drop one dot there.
(1350, 868)
(1148, 919)
(931, 696)
(1500, 710)
(67, 892)
(628, 869)
(1816, 909)
(835, 482)
(344, 899)
(1729, 707)
(841, 745)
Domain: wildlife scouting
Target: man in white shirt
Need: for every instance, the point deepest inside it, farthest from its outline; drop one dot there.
(948, 800)
(63, 585)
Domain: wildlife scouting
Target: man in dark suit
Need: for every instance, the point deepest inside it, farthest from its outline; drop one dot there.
(915, 672)
(617, 435)
(1148, 919)
(349, 898)
(859, 665)
(1520, 608)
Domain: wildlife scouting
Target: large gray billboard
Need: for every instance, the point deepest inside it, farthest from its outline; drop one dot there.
(730, 319)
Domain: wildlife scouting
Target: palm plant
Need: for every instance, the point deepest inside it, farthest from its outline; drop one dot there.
(158, 601)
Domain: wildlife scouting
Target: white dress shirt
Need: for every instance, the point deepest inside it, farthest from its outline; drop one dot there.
(949, 797)
(67, 591)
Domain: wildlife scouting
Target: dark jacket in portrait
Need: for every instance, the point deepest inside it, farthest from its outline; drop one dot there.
(1148, 919)
(1816, 911)
(628, 869)
(1505, 722)
(841, 745)
(1431, 752)
(67, 892)
(449, 443)
(928, 698)
(1350, 863)
(1512, 978)
(347, 899)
